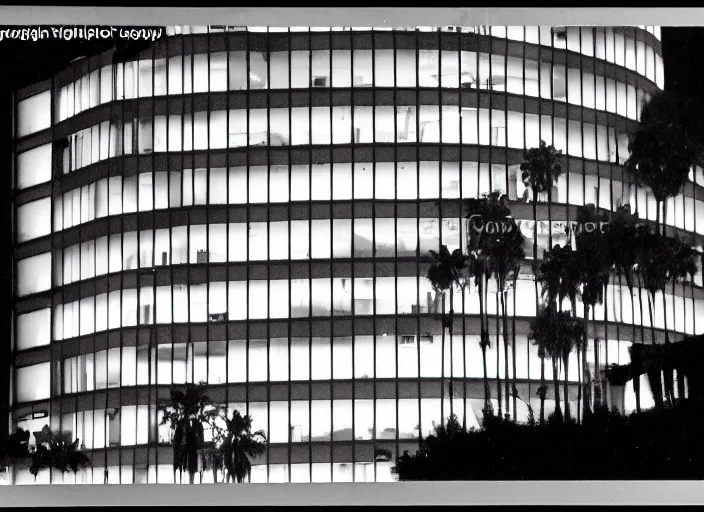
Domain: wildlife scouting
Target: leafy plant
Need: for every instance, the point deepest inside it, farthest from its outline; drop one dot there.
(186, 412)
(669, 141)
(56, 451)
(237, 445)
(14, 449)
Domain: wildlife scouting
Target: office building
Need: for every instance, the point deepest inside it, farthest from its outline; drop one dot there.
(253, 208)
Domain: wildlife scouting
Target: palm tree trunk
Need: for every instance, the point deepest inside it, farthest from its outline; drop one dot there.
(585, 383)
(555, 381)
(452, 321)
(542, 395)
(579, 385)
(535, 226)
(535, 282)
(667, 368)
(513, 340)
(636, 391)
(642, 337)
(442, 362)
(606, 388)
(505, 329)
(657, 392)
(651, 314)
(568, 414)
(484, 335)
(499, 394)
(633, 315)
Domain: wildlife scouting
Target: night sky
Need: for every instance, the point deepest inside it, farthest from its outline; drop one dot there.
(683, 54)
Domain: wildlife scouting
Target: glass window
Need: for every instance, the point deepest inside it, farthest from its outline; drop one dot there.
(320, 74)
(362, 68)
(630, 50)
(659, 71)
(363, 419)
(650, 63)
(218, 71)
(33, 382)
(33, 329)
(32, 276)
(34, 166)
(34, 114)
(34, 220)
(258, 70)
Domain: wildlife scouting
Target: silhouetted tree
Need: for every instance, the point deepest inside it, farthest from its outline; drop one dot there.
(187, 410)
(14, 449)
(556, 333)
(237, 444)
(544, 334)
(505, 251)
(653, 445)
(559, 274)
(540, 170)
(594, 263)
(477, 265)
(444, 274)
(496, 240)
(669, 141)
(661, 261)
(56, 451)
(621, 239)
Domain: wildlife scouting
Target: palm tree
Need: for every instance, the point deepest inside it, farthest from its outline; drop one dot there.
(505, 251)
(621, 237)
(663, 260)
(571, 329)
(476, 266)
(651, 261)
(186, 412)
(237, 444)
(666, 145)
(559, 276)
(543, 333)
(548, 275)
(556, 333)
(496, 241)
(55, 451)
(594, 263)
(476, 263)
(681, 267)
(444, 273)
(211, 458)
(540, 169)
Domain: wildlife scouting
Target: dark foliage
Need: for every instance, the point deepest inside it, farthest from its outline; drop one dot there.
(594, 256)
(57, 452)
(237, 445)
(667, 143)
(186, 412)
(541, 167)
(559, 275)
(665, 444)
(446, 268)
(14, 448)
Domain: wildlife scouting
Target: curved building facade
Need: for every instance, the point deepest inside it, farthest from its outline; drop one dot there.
(253, 208)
